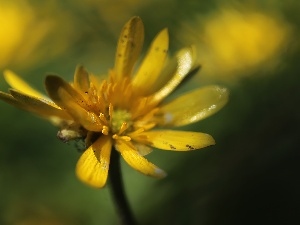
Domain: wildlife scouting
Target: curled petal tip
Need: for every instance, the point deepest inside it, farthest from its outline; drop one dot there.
(160, 173)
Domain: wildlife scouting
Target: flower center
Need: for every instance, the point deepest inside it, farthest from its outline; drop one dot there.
(120, 118)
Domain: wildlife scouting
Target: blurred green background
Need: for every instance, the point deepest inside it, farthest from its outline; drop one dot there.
(251, 176)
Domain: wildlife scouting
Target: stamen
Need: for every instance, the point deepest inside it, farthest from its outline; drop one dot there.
(124, 138)
(103, 118)
(103, 88)
(114, 88)
(128, 89)
(149, 126)
(109, 91)
(110, 112)
(105, 130)
(136, 132)
(124, 127)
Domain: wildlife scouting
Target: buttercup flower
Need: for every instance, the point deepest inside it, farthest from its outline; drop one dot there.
(124, 112)
(27, 33)
(235, 41)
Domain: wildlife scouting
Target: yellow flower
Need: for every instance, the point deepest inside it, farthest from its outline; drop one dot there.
(121, 112)
(235, 41)
(28, 32)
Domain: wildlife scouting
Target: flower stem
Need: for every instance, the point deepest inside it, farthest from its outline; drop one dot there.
(117, 190)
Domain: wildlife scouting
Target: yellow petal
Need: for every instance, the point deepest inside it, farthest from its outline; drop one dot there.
(194, 106)
(11, 100)
(152, 64)
(185, 60)
(176, 140)
(54, 83)
(138, 162)
(39, 106)
(69, 99)
(81, 79)
(17, 83)
(142, 149)
(92, 167)
(129, 47)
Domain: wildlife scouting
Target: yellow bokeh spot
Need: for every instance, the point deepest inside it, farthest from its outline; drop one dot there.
(14, 19)
(232, 43)
(241, 40)
(28, 30)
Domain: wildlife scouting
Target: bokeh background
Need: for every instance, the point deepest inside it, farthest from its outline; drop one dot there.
(251, 176)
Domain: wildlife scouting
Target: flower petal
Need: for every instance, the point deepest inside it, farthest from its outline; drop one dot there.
(176, 140)
(129, 47)
(185, 60)
(39, 106)
(54, 83)
(69, 99)
(142, 149)
(92, 167)
(193, 106)
(152, 64)
(17, 83)
(81, 79)
(136, 161)
(8, 98)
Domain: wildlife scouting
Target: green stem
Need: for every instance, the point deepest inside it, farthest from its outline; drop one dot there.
(117, 190)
